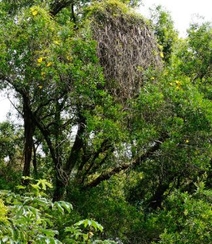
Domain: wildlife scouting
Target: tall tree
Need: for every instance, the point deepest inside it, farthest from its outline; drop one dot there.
(195, 54)
(165, 32)
(59, 83)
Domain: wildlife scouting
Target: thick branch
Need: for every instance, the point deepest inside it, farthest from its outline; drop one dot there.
(77, 147)
(29, 128)
(105, 145)
(58, 5)
(139, 160)
(45, 134)
(92, 166)
(11, 82)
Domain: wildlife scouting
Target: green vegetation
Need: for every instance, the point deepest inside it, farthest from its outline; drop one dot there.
(114, 139)
(33, 218)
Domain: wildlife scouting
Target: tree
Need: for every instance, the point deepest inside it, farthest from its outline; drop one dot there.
(60, 86)
(196, 54)
(165, 32)
(194, 59)
(10, 154)
(191, 217)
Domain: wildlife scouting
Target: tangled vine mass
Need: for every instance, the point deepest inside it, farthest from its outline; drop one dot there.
(126, 47)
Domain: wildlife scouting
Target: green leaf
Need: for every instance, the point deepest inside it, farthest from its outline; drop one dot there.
(44, 184)
(21, 187)
(90, 223)
(5, 239)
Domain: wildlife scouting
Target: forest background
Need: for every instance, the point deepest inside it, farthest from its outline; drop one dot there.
(116, 125)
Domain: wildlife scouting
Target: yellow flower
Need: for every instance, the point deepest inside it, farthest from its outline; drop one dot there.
(34, 11)
(178, 82)
(39, 60)
(187, 141)
(40, 87)
(49, 64)
(161, 54)
(56, 42)
(68, 58)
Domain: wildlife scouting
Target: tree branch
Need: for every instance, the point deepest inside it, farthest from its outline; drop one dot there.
(76, 149)
(139, 160)
(58, 5)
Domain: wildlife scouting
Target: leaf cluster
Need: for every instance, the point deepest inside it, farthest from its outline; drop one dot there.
(31, 217)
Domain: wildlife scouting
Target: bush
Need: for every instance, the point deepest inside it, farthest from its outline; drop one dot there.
(31, 217)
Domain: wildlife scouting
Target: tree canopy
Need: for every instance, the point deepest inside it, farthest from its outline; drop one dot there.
(116, 121)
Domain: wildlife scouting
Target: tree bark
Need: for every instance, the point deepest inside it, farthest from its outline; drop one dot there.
(59, 190)
(29, 128)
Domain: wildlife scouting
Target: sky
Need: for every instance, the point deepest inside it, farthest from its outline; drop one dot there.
(182, 11)
(5, 107)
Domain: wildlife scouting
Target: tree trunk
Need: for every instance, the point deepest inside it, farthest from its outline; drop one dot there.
(59, 190)
(29, 129)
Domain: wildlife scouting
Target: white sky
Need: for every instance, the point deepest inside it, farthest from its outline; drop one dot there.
(5, 107)
(182, 12)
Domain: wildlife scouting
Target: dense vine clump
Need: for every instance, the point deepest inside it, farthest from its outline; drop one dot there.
(126, 46)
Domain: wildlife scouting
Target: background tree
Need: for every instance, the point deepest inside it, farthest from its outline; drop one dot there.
(11, 154)
(165, 32)
(196, 53)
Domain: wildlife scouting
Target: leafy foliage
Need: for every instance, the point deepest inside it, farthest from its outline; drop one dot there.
(31, 217)
(165, 32)
(128, 144)
(187, 218)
